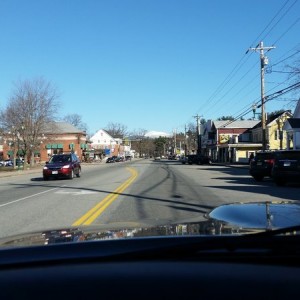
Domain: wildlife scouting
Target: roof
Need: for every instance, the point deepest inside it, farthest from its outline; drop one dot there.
(62, 127)
(236, 124)
(294, 122)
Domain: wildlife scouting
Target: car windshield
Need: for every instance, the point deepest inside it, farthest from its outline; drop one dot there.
(60, 159)
(260, 156)
(123, 115)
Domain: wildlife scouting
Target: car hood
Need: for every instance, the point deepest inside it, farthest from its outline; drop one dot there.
(229, 219)
(57, 164)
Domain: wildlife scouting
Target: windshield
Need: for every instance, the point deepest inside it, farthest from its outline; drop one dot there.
(159, 106)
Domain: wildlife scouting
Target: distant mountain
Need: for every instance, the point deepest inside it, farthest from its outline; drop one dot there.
(157, 134)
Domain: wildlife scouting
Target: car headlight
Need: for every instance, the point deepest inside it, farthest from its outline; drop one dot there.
(66, 167)
(45, 168)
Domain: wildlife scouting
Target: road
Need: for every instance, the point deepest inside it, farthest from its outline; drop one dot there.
(137, 193)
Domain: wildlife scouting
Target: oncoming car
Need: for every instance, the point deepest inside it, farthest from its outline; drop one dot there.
(62, 165)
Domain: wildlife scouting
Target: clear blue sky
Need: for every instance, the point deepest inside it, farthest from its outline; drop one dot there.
(150, 64)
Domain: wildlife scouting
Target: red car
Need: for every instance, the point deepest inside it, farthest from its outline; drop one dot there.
(62, 165)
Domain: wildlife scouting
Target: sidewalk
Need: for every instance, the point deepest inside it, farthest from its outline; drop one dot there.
(28, 170)
(233, 165)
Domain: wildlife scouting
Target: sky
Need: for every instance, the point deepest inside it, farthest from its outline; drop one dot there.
(150, 64)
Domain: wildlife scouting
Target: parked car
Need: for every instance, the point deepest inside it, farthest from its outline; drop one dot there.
(261, 165)
(184, 159)
(10, 162)
(286, 167)
(62, 165)
(111, 160)
(119, 159)
(198, 159)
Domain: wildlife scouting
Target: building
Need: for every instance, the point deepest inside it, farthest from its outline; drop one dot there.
(58, 137)
(62, 137)
(229, 141)
(103, 144)
(292, 129)
(275, 133)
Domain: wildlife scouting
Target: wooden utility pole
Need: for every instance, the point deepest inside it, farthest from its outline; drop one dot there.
(263, 62)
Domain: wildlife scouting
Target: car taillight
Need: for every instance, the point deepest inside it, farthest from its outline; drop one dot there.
(270, 161)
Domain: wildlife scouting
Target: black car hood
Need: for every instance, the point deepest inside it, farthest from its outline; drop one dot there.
(229, 219)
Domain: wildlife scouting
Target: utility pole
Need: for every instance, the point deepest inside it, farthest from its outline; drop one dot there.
(263, 62)
(175, 142)
(198, 134)
(185, 141)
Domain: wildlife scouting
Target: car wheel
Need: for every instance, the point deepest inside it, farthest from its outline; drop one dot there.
(258, 178)
(71, 176)
(79, 173)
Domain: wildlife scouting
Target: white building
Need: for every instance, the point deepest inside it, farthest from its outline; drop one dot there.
(292, 127)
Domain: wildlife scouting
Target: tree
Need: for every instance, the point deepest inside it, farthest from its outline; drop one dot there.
(31, 107)
(226, 118)
(116, 130)
(160, 145)
(76, 120)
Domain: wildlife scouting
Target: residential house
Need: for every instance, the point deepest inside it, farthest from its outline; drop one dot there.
(292, 129)
(103, 144)
(275, 133)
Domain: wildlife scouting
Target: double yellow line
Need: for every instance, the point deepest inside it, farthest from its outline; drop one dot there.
(97, 210)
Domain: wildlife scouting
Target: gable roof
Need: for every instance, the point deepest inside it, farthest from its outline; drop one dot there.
(100, 133)
(297, 110)
(294, 122)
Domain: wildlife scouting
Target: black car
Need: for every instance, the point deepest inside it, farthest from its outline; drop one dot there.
(261, 165)
(286, 167)
(62, 165)
(111, 159)
(198, 159)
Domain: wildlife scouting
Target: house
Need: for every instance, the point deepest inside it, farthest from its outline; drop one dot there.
(229, 141)
(103, 144)
(292, 129)
(275, 132)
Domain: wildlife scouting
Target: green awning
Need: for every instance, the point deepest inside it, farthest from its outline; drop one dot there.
(21, 152)
(48, 146)
(10, 152)
(60, 146)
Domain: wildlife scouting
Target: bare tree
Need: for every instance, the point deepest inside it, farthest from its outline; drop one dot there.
(76, 120)
(116, 129)
(32, 105)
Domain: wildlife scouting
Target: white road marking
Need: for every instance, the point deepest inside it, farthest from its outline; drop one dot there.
(34, 195)
(76, 193)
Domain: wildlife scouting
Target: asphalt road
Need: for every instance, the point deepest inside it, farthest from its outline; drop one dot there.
(137, 193)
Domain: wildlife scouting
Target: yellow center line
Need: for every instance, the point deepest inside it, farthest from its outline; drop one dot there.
(98, 209)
